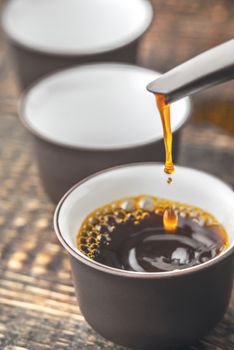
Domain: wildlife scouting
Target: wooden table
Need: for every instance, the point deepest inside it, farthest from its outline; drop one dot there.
(38, 309)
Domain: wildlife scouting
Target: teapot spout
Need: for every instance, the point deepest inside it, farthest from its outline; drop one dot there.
(211, 67)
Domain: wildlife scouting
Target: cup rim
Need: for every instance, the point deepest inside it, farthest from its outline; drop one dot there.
(125, 273)
(33, 130)
(79, 53)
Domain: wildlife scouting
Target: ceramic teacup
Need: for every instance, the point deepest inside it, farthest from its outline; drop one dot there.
(48, 35)
(89, 118)
(149, 310)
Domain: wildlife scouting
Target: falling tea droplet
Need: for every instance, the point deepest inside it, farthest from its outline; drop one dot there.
(169, 180)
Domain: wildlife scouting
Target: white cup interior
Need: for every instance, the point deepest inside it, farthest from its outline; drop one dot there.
(76, 26)
(189, 186)
(101, 106)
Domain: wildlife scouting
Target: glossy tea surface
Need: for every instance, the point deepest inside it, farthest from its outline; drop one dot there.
(148, 234)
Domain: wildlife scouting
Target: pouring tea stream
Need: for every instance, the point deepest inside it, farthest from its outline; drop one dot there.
(212, 67)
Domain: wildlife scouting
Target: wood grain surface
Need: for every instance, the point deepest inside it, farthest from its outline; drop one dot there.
(38, 309)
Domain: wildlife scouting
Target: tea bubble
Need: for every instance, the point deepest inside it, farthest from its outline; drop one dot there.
(147, 204)
(128, 205)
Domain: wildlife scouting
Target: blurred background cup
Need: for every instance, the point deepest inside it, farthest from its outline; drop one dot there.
(48, 35)
(92, 117)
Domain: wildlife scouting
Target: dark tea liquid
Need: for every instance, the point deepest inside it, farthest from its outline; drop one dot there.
(148, 234)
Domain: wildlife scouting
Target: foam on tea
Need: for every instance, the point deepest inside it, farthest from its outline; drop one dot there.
(149, 234)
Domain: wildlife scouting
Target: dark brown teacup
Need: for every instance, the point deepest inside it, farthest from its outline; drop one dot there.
(48, 35)
(89, 118)
(140, 309)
